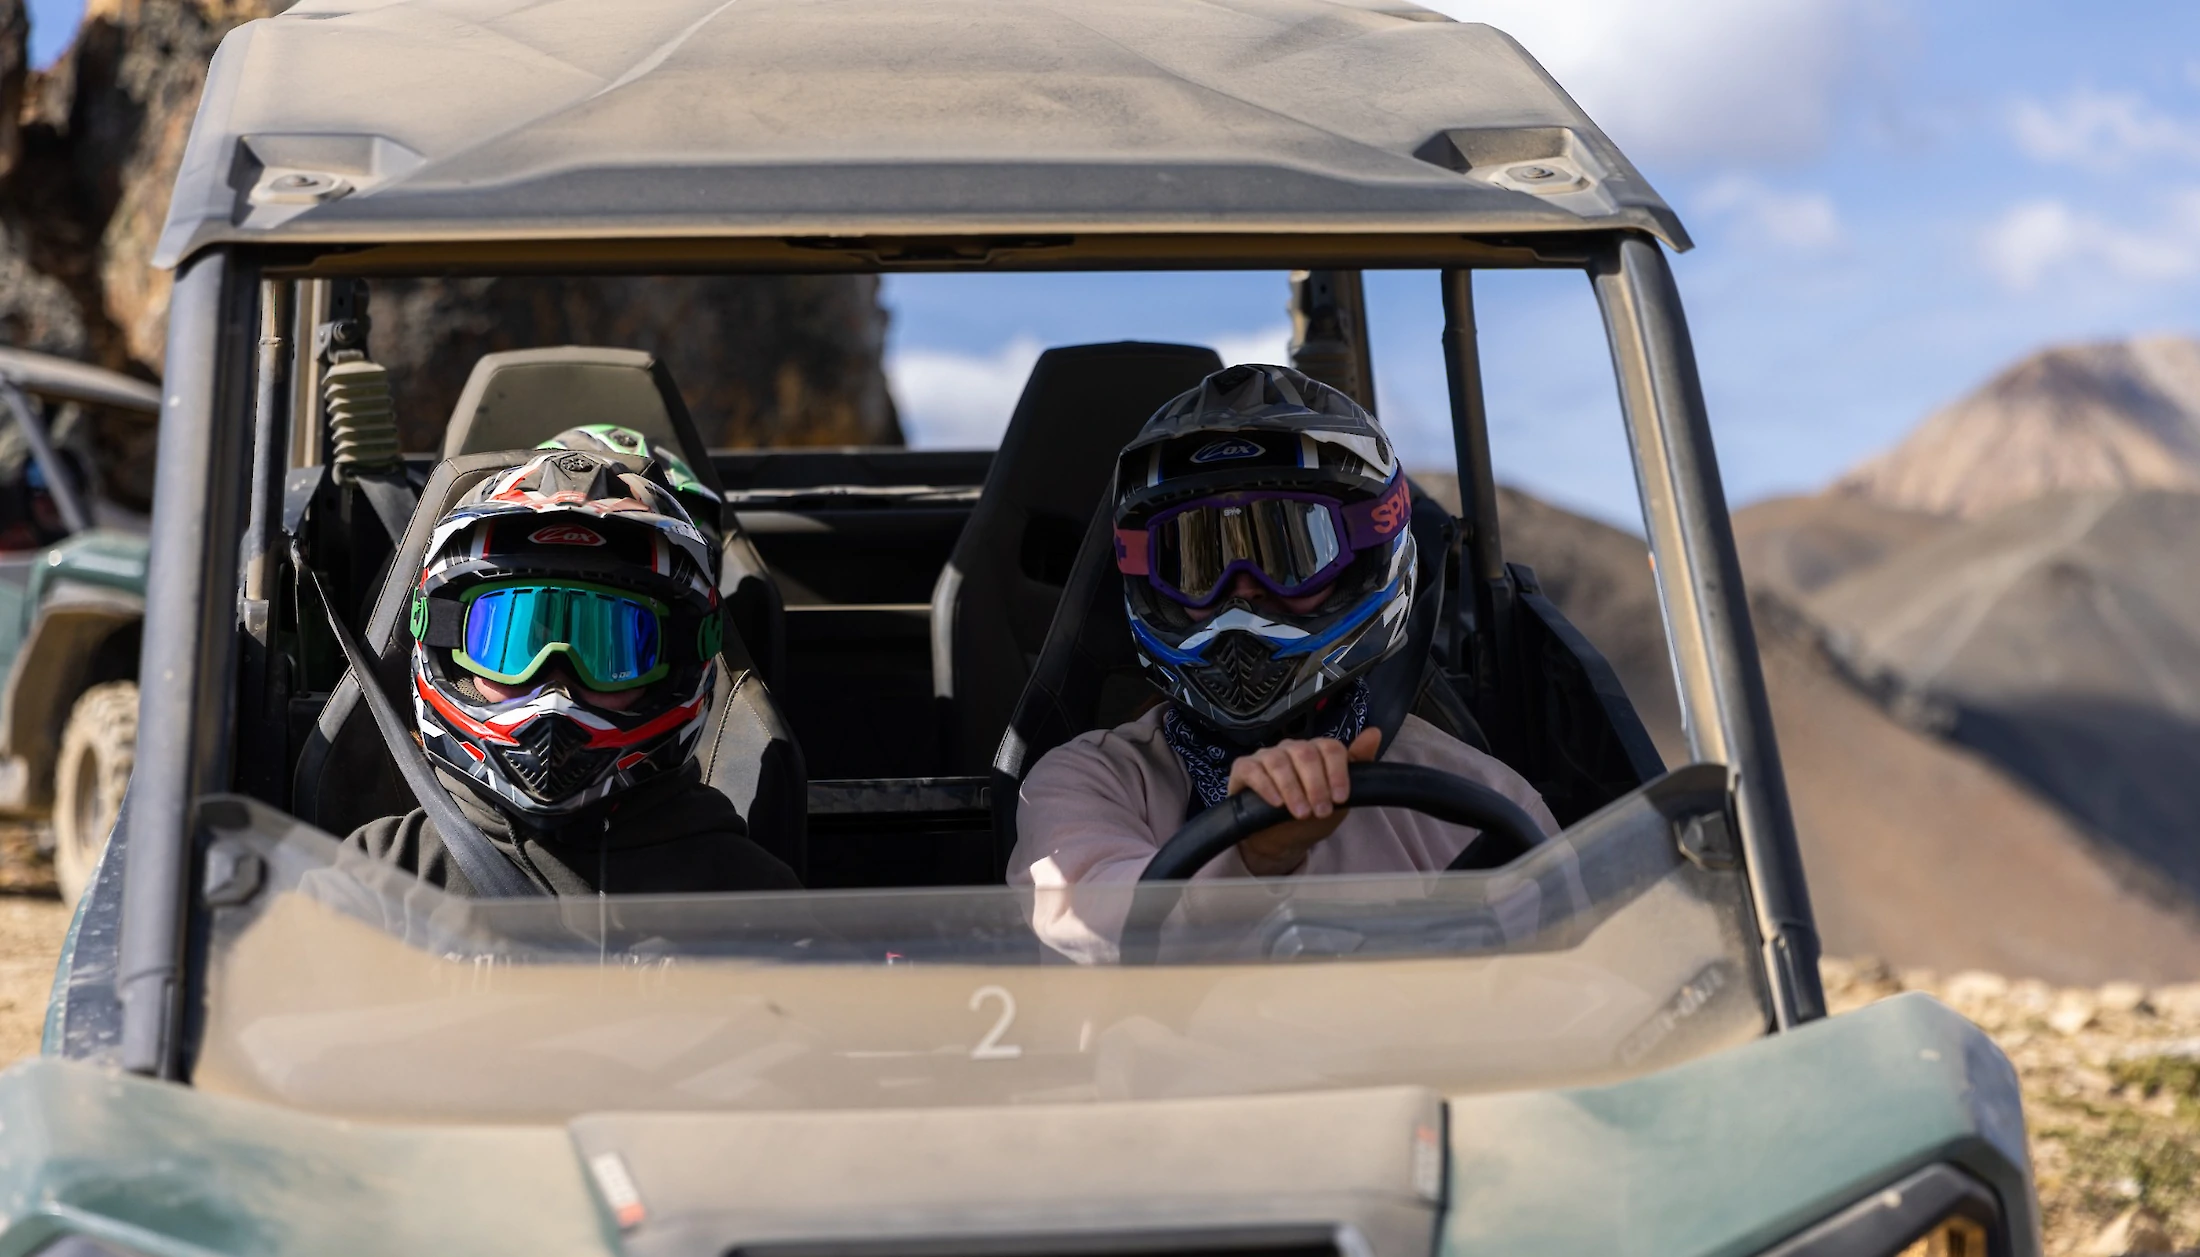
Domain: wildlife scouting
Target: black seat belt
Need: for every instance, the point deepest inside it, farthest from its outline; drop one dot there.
(392, 498)
(489, 871)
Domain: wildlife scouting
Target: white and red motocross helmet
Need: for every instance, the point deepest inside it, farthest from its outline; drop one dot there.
(573, 572)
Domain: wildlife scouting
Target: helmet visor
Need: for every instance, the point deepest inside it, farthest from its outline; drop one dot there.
(613, 640)
(1291, 543)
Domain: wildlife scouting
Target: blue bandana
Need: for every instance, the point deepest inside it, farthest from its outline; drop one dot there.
(1207, 758)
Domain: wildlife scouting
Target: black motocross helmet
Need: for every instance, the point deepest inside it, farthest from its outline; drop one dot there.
(1262, 472)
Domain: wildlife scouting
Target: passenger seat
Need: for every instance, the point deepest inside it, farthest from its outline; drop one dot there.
(997, 594)
(524, 397)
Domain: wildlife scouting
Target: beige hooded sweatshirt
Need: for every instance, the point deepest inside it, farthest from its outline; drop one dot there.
(1095, 810)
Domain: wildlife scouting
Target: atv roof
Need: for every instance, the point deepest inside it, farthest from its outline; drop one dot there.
(377, 121)
(63, 379)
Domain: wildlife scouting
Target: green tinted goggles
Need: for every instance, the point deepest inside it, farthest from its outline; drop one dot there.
(610, 638)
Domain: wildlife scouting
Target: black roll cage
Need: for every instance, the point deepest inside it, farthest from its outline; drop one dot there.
(226, 431)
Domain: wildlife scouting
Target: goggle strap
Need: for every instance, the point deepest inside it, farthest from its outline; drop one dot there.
(1131, 555)
(443, 624)
(1370, 524)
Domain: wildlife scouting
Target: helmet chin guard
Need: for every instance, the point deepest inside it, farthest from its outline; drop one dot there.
(1196, 502)
(565, 518)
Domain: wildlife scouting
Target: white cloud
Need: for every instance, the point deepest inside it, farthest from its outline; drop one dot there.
(1269, 344)
(951, 400)
(2100, 130)
(1802, 221)
(1691, 80)
(2040, 239)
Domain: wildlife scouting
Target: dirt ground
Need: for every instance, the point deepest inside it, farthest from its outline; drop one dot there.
(32, 922)
(30, 940)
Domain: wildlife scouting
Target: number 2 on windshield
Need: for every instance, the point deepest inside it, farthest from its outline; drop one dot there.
(990, 1048)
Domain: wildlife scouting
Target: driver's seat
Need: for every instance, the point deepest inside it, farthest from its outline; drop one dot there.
(1087, 676)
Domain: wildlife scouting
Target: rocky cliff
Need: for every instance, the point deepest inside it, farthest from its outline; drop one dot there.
(88, 153)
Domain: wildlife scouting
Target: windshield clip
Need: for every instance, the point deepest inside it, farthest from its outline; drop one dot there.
(234, 875)
(1708, 842)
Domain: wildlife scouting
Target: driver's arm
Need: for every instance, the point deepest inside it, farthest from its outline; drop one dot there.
(1088, 820)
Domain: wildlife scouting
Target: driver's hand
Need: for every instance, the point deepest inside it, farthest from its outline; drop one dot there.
(1309, 779)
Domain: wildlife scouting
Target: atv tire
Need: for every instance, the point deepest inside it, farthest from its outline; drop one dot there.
(98, 749)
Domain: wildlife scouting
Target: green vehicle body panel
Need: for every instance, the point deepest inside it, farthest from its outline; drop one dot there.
(111, 560)
(164, 1170)
(14, 623)
(1721, 1157)
(116, 560)
(1732, 1153)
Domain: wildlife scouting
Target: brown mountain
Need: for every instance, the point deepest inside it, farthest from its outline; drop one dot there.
(1921, 851)
(1794, 546)
(2061, 638)
(2121, 415)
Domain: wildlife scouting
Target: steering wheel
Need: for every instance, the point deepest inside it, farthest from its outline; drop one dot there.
(1508, 833)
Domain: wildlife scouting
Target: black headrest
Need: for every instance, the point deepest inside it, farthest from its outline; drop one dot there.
(1081, 405)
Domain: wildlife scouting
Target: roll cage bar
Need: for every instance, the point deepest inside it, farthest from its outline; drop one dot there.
(219, 492)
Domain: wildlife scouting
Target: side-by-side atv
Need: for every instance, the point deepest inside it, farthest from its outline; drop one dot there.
(1608, 1040)
(72, 605)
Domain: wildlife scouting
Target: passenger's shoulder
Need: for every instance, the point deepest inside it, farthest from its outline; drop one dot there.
(405, 841)
(391, 838)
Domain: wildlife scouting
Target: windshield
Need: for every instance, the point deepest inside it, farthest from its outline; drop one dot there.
(340, 985)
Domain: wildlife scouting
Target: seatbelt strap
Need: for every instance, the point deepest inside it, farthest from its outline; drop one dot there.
(393, 500)
(489, 871)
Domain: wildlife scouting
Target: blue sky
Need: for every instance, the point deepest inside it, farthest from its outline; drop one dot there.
(1890, 201)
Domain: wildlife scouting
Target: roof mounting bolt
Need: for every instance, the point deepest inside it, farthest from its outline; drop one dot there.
(1534, 174)
(300, 187)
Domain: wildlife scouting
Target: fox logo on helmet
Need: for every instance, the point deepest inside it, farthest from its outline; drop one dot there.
(1225, 450)
(565, 535)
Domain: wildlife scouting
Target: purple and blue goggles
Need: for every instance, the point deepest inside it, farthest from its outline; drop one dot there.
(1292, 543)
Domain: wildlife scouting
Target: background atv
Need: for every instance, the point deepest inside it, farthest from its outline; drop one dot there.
(72, 604)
